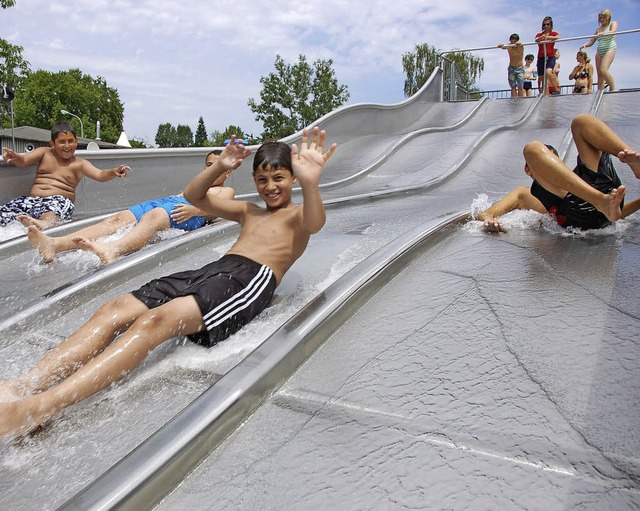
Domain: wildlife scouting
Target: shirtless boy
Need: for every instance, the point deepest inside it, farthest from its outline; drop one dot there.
(515, 71)
(583, 198)
(207, 304)
(150, 217)
(58, 173)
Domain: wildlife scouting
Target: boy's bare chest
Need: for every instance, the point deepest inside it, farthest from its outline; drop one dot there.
(68, 172)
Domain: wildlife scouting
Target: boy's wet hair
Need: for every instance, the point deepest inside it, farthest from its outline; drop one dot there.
(529, 57)
(62, 127)
(514, 36)
(273, 155)
(217, 152)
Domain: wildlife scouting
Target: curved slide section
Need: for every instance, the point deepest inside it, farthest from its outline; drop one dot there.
(88, 440)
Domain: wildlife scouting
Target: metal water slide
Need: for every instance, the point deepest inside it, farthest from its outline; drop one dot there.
(435, 393)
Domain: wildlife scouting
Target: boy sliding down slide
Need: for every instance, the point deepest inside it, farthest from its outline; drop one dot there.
(58, 174)
(207, 304)
(151, 217)
(589, 197)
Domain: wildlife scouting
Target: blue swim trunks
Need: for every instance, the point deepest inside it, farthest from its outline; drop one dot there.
(168, 203)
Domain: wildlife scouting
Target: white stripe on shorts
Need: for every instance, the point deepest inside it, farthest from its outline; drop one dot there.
(239, 301)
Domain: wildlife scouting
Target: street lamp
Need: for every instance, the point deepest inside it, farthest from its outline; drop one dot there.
(65, 112)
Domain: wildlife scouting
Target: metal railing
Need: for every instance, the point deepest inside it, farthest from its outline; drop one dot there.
(453, 89)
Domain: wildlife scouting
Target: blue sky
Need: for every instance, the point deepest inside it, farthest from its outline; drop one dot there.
(176, 61)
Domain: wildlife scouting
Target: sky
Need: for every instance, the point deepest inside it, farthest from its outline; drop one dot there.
(176, 61)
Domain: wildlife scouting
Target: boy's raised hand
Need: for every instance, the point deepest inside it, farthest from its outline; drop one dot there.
(309, 160)
(8, 155)
(233, 154)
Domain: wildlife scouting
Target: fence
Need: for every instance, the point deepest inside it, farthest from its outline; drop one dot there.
(453, 89)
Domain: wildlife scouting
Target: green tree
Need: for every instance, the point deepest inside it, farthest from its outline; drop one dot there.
(13, 68)
(184, 136)
(419, 65)
(166, 135)
(139, 143)
(44, 94)
(218, 137)
(296, 95)
(201, 134)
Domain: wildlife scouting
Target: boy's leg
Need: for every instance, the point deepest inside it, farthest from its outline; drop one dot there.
(180, 316)
(155, 220)
(593, 137)
(89, 340)
(552, 173)
(49, 246)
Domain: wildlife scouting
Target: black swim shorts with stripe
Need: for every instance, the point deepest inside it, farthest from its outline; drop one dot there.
(230, 292)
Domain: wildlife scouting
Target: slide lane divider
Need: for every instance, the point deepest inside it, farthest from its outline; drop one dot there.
(151, 471)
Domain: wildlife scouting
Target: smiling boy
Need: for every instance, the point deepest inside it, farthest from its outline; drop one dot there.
(207, 304)
(58, 174)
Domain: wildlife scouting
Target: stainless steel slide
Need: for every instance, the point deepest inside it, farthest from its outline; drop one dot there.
(454, 369)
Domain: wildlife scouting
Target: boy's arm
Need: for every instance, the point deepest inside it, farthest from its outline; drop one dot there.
(183, 212)
(308, 162)
(630, 208)
(197, 191)
(89, 170)
(23, 159)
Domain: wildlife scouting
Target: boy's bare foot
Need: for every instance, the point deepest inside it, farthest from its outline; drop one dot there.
(612, 209)
(41, 224)
(102, 250)
(18, 418)
(46, 245)
(631, 158)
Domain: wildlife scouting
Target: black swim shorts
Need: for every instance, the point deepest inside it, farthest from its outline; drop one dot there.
(230, 292)
(572, 211)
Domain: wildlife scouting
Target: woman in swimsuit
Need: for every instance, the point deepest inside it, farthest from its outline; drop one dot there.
(582, 74)
(605, 35)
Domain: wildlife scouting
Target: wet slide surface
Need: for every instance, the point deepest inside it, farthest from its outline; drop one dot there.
(493, 368)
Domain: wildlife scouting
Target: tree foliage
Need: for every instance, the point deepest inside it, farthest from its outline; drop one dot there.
(296, 95)
(171, 136)
(166, 135)
(44, 94)
(218, 137)
(184, 136)
(13, 67)
(201, 134)
(419, 65)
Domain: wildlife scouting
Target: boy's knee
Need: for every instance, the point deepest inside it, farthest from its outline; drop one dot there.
(580, 121)
(116, 306)
(153, 318)
(533, 148)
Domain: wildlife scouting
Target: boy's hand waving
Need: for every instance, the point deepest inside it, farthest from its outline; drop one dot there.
(233, 154)
(309, 160)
